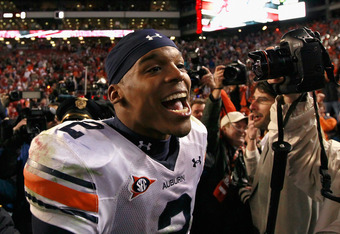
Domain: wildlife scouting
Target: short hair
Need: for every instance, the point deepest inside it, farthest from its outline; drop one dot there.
(197, 101)
(264, 87)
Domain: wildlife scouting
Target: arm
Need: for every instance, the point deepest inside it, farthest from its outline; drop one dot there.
(328, 124)
(211, 119)
(252, 154)
(57, 186)
(211, 114)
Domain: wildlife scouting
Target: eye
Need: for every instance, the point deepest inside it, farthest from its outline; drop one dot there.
(262, 99)
(154, 69)
(181, 67)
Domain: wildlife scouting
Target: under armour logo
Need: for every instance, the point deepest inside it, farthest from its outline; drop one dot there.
(141, 144)
(151, 37)
(196, 161)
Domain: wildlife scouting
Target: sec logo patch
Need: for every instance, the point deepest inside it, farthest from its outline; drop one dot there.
(140, 185)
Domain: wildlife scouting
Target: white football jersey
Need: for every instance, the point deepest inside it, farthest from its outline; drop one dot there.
(85, 177)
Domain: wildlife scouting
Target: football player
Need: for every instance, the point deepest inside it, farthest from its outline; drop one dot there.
(134, 173)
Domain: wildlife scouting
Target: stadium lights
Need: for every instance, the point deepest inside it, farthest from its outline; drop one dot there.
(59, 15)
(23, 15)
(8, 15)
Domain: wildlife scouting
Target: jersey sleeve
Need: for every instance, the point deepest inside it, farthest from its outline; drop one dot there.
(58, 185)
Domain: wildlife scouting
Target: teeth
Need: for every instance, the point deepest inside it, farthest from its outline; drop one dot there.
(175, 96)
(184, 110)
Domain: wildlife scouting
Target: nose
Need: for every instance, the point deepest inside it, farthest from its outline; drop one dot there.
(199, 115)
(175, 74)
(253, 105)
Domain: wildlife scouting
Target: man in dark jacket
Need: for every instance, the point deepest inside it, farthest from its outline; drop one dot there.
(218, 208)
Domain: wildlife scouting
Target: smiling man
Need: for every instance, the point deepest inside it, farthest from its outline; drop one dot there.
(259, 118)
(134, 173)
(263, 98)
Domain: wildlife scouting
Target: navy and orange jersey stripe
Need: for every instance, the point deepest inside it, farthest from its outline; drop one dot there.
(72, 198)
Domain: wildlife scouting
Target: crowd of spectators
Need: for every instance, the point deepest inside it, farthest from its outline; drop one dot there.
(75, 68)
(41, 66)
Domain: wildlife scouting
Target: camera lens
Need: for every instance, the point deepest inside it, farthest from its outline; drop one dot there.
(257, 69)
(270, 64)
(235, 73)
(15, 96)
(231, 72)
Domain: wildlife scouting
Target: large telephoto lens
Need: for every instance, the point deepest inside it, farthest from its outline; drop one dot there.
(271, 64)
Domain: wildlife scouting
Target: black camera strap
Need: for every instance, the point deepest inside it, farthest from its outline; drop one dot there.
(281, 150)
(328, 66)
(325, 177)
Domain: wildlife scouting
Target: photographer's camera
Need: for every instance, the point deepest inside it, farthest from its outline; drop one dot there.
(235, 74)
(301, 59)
(197, 72)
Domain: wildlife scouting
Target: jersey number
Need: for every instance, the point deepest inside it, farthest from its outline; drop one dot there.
(76, 134)
(173, 208)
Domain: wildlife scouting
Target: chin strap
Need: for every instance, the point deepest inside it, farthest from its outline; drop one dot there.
(325, 177)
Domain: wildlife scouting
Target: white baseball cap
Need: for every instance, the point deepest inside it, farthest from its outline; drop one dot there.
(232, 117)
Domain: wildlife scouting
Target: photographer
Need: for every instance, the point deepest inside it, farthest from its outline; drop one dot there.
(218, 208)
(16, 138)
(296, 211)
(263, 98)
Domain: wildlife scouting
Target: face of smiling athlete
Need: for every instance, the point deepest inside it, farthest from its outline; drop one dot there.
(152, 97)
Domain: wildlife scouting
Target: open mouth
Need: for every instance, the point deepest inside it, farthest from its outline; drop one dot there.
(176, 103)
(257, 117)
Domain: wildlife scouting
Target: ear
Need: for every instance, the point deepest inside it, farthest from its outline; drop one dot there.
(223, 129)
(114, 93)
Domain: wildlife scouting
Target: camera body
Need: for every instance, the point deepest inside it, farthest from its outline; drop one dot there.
(235, 73)
(66, 86)
(37, 118)
(16, 95)
(301, 59)
(197, 72)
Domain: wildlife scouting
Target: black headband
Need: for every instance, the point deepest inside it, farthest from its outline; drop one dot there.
(131, 48)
